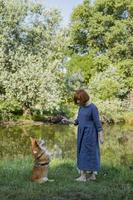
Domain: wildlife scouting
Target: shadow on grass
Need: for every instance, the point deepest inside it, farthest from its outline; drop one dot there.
(112, 182)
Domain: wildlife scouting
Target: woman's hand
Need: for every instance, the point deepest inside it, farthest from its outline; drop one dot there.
(67, 121)
(64, 120)
(101, 137)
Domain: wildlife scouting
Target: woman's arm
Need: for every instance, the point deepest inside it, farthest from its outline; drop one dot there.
(70, 121)
(98, 124)
(67, 121)
(96, 119)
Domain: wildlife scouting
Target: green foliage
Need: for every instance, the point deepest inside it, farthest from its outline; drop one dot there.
(81, 64)
(8, 110)
(31, 54)
(41, 65)
(103, 31)
(107, 84)
(79, 22)
(125, 68)
(111, 111)
(128, 117)
(108, 35)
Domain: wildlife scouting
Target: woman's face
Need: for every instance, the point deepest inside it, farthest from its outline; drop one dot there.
(78, 102)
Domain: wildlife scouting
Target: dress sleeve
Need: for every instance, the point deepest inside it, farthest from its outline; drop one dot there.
(76, 121)
(96, 119)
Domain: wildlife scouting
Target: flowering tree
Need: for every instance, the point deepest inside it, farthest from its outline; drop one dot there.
(31, 54)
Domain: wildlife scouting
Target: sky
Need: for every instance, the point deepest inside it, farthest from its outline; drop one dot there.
(65, 6)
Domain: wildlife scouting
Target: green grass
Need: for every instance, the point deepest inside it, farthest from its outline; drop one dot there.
(112, 183)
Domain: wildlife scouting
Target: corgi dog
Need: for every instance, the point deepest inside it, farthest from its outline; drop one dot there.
(41, 161)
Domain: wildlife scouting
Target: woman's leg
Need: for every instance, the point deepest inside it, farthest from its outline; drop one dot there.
(82, 176)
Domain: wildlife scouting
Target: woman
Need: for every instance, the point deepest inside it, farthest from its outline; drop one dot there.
(89, 134)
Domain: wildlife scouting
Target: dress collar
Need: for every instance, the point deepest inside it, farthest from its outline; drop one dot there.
(88, 103)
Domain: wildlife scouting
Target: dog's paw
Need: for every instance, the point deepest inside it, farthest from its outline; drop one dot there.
(51, 180)
(45, 179)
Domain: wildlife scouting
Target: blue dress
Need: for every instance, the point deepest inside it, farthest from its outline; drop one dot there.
(89, 124)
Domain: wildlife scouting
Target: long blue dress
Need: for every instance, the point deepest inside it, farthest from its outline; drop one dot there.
(89, 124)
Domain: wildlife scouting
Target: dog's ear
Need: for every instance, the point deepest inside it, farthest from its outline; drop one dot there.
(33, 141)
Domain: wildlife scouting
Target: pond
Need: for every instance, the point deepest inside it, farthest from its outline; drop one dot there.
(61, 142)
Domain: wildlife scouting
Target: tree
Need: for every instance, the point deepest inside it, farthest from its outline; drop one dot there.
(82, 65)
(31, 53)
(107, 38)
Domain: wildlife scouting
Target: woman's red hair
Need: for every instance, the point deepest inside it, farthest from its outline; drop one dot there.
(82, 96)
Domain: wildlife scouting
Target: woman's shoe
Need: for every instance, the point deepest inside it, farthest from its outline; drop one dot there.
(81, 179)
(92, 178)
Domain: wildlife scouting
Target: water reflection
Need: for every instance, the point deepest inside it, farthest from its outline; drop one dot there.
(118, 148)
(57, 151)
(61, 142)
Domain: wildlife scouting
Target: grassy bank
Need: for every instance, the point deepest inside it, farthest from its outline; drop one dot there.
(111, 112)
(113, 183)
(125, 118)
